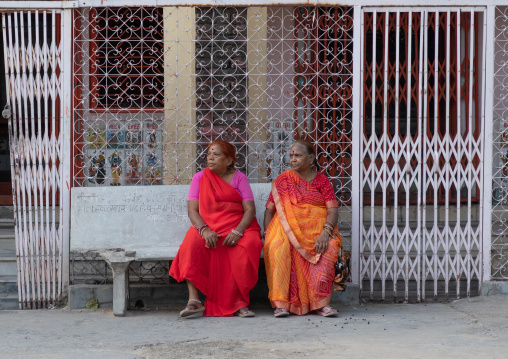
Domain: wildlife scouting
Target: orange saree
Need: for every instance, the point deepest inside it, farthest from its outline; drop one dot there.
(299, 279)
(225, 275)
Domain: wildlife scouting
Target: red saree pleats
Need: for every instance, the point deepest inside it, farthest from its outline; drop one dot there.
(225, 275)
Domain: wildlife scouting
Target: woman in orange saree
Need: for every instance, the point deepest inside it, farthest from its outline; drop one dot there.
(219, 255)
(301, 241)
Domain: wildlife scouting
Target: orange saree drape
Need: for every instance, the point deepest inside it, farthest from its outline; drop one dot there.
(299, 279)
(225, 275)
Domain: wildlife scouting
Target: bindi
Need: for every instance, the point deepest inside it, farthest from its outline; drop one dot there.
(293, 152)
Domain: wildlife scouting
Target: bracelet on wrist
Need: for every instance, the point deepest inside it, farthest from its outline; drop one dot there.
(330, 225)
(200, 228)
(239, 234)
(203, 230)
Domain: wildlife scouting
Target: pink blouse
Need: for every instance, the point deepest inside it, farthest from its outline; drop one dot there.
(240, 182)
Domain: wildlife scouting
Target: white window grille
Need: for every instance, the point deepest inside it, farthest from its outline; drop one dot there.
(154, 86)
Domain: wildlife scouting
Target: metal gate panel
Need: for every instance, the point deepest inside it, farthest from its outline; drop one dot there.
(422, 150)
(33, 68)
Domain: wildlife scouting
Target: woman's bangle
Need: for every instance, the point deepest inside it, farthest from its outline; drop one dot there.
(329, 231)
(237, 233)
(326, 227)
(202, 230)
(330, 225)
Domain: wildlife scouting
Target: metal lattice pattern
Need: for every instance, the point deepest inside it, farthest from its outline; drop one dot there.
(33, 61)
(90, 268)
(421, 173)
(258, 77)
(499, 241)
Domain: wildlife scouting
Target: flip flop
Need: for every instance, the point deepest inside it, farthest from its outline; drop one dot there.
(280, 313)
(327, 311)
(244, 313)
(192, 313)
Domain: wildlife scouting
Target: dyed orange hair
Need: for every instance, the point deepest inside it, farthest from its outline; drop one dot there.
(227, 149)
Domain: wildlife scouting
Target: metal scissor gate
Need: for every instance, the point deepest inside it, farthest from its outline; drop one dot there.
(33, 58)
(422, 150)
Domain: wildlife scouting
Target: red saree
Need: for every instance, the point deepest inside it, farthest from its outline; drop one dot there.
(225, 275)
(299, 279)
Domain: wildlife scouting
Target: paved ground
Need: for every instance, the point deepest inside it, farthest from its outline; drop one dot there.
(474, 328)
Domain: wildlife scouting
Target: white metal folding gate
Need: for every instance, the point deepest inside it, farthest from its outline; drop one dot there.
(34, 72)
(422, 150)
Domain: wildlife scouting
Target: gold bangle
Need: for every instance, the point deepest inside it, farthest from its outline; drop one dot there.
(202, 230)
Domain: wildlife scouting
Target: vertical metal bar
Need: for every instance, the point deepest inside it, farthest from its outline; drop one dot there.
(487, 170)
(425, 164)
(396, 164)
(481, 147)
(65, 151)
(372, 254)
(470, 139)
(435, 154)
(408, 145)
(448, 144)
(357, 145)
(384, 152)
(421, 178)
(460, 149)
(40, 141)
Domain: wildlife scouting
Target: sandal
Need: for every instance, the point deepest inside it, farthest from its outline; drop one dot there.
(192, 310)
(244, 313)
(280, 313)
(327, 311)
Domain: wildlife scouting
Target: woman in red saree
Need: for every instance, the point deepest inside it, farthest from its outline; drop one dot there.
(219, 255)
(301, 241)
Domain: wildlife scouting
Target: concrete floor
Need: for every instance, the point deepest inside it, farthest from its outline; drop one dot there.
(466, 328)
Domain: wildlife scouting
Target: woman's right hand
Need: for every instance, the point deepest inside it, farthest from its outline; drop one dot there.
(211, 238)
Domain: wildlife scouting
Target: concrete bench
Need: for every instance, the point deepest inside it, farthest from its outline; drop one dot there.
(126, 224)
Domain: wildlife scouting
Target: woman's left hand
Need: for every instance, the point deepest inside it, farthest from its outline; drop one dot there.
(322, 242)
(231, 240)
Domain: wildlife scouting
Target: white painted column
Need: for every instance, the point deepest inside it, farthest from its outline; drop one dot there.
(356, 187)
(66, 147)
(488, 123)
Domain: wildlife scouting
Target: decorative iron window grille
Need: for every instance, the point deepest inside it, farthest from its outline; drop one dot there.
(126, 63)
(221, 80)
(324, 89)
(258, 77)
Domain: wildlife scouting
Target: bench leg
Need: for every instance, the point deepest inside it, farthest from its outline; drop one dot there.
(120, 287)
